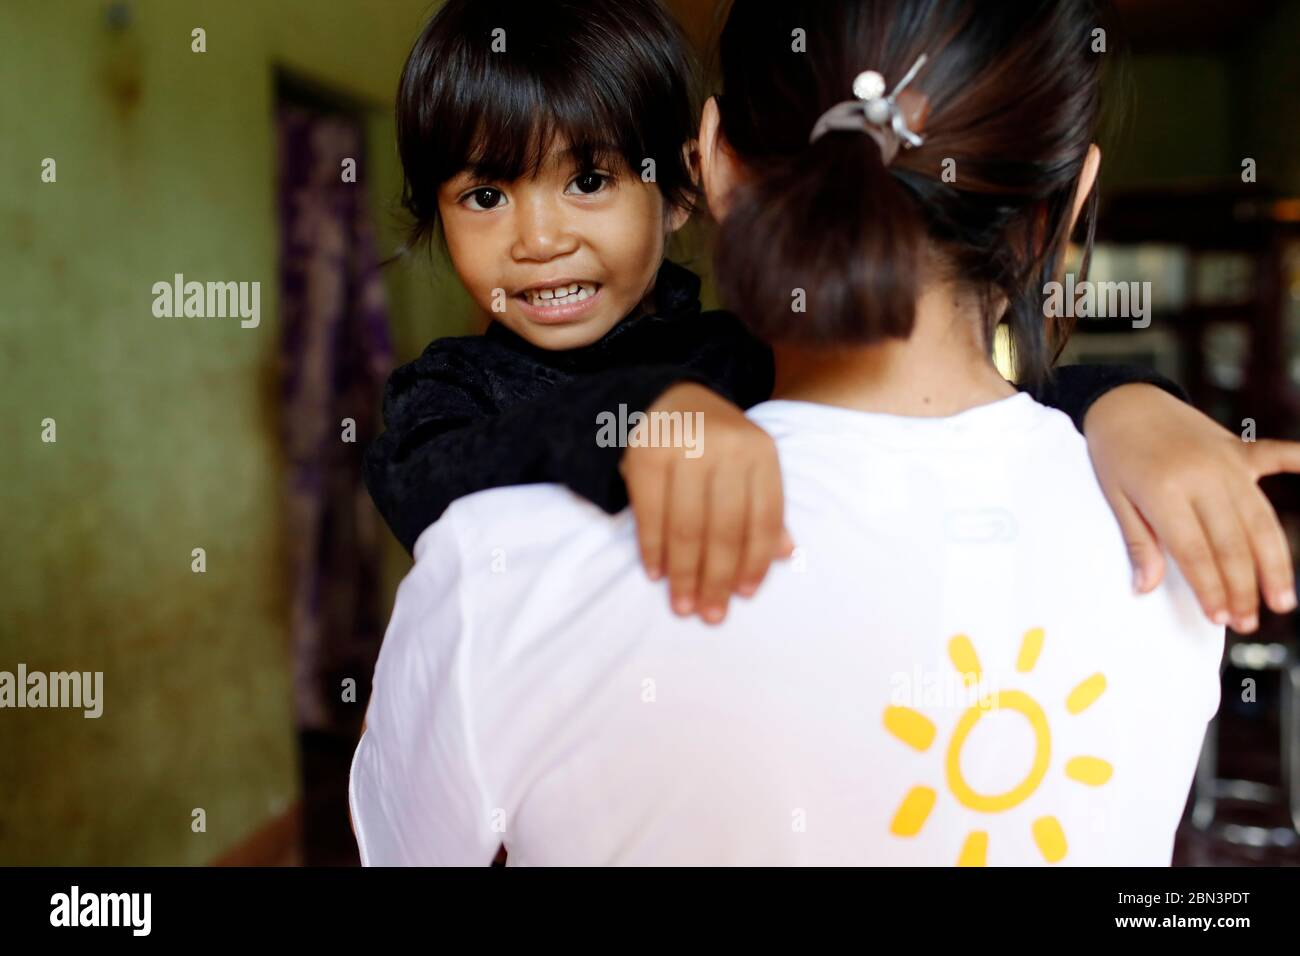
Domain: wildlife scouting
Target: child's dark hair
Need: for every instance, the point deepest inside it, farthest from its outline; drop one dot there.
(490, 85)
(1014, 95)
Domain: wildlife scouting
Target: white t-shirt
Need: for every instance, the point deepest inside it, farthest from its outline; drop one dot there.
(535, 690)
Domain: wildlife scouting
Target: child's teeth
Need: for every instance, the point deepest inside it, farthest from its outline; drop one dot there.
(561, 295)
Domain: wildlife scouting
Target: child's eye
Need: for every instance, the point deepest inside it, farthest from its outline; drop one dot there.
(485, 197)
(590, 182)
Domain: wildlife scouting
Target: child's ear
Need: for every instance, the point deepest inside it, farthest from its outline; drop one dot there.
(691, 159)
(677, 216)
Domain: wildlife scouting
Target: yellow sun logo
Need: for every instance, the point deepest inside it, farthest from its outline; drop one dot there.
(918, 732)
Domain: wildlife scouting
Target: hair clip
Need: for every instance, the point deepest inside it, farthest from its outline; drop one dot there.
(890, 120)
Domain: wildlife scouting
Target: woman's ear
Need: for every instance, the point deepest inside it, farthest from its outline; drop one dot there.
(691, 159)
(1087, 179)
(677, 215)
(717, 164)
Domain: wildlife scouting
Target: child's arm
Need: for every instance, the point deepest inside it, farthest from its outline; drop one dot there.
(450, 430)
(1074, 388)
(1174, 476)
(446, 437)
(713, 521)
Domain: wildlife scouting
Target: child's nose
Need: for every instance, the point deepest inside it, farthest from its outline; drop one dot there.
(543, 232)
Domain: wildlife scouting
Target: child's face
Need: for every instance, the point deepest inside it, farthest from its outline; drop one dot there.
(559, 258)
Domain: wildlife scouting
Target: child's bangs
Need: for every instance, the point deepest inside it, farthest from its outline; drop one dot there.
(522, 121)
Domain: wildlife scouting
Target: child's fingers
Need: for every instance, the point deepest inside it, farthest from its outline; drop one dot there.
(1270, 456)
(723, 541)
(1181, 531)
(647, 491)
(1143, 549)
(1236, 563)
(1269, 545)
(684, 533)
(763, 539)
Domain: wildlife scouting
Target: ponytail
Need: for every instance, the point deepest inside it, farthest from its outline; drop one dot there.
(822, 248)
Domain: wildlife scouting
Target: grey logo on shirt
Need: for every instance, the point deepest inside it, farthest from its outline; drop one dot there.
(979, 525)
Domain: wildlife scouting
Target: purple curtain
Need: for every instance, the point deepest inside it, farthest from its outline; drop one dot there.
(335, 355)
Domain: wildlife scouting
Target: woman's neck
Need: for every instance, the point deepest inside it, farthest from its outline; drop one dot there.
(943, 368)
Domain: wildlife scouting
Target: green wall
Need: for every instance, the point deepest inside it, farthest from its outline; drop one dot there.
(167, 428)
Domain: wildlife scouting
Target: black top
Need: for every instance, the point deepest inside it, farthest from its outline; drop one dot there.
(491, 410)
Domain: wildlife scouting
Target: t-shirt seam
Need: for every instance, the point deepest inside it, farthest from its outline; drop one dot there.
(1017, 433)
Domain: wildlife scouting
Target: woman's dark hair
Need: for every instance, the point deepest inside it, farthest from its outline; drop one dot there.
(490, 85)
(1014, 101)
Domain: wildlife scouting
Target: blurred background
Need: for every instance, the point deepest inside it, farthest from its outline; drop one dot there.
(197, 529)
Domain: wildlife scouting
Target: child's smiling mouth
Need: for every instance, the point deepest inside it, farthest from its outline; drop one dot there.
(559, 301)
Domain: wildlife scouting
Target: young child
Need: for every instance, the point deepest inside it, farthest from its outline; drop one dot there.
(549, 144)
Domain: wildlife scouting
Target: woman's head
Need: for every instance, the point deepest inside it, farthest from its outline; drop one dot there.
(989, 197)
(547, 141)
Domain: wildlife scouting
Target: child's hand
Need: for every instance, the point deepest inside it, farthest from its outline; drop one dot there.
(710, 517)
(1173, 475)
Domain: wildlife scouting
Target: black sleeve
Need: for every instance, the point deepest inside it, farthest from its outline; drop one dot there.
(1073, 388)
(444, 437)
(712, 349)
